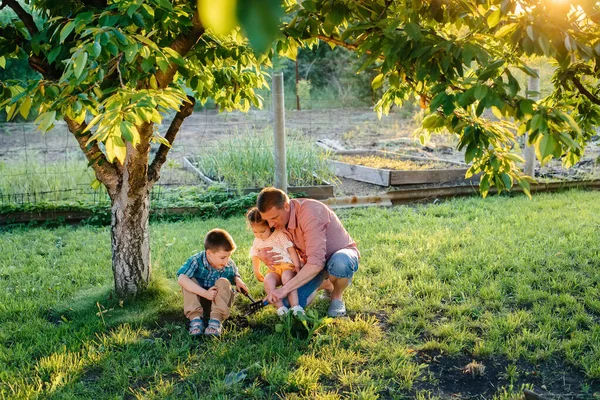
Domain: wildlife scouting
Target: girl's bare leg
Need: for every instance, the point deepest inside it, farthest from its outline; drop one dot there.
(293, 296)
(272, 280)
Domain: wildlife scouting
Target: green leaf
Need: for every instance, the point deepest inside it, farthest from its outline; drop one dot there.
(96, 184)
(66, 30)
(162, 64)
(45, 120)
(54, 53)
(471, 152)
(95, 49)
(413, 30)
(544, 44)
(25, 107)
(546, 148)
(80, 63)
(166, 4)
(259, 20)
(480, 92)
(2, 62)
(505, 30)
(377, 82)
(568, 140)
(218, 16)
(494, 18)
(526, 107)
(138, 19)
(10, 111)
(569, 120)
(120, 36)
(130, 133)
(115, 148)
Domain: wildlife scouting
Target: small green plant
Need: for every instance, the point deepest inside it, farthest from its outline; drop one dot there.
(245, 160)
(511, 374)
(302, 326)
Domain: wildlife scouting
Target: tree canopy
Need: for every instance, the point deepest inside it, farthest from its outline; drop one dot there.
(112, 70)
(458, 58)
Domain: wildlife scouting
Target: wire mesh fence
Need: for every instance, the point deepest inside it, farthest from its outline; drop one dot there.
(51, 167)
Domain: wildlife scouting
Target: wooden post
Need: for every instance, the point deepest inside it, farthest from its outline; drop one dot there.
(297, 80)
(279, 132)
(533, 90)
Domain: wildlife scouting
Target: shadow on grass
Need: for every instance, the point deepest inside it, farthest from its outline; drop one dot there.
(140, 347)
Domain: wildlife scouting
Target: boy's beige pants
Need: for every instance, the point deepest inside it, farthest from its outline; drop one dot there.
(195, 306)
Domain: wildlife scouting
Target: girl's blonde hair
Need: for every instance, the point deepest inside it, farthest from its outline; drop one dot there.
(253, 217)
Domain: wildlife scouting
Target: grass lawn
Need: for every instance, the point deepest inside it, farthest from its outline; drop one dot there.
(470, 297)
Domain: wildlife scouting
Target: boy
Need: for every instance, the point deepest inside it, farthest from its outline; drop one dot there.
(206, 280)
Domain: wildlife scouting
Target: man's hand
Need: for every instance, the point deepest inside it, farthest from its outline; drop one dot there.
(211, 293)
(269, 257)
(277, 295)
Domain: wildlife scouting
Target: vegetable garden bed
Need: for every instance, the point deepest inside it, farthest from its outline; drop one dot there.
(320, 190)
(393, 169)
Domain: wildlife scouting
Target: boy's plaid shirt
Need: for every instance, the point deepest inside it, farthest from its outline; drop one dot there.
(197, 267)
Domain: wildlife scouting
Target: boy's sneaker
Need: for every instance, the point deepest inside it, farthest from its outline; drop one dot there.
(282, 311)
(337, 308)
(298, 310)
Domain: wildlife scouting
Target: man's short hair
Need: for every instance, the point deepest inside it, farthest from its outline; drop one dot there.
(217, 240)
(271, 197)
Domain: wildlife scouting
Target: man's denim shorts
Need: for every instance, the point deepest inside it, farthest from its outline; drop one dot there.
(341, 264)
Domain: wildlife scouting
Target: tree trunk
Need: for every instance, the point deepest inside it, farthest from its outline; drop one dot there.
(130, 244)
(129, 226)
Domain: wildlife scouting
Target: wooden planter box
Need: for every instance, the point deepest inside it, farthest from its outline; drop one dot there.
(392, 177)
(318, 192)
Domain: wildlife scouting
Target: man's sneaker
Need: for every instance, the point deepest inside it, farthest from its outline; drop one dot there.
(337, 308)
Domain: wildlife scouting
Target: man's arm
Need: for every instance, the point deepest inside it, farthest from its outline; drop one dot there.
(188, 284)
(307, 272)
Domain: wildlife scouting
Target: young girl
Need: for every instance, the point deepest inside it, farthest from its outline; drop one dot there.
(284, 270)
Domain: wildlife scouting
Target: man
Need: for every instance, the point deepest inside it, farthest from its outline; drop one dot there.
(324, 246)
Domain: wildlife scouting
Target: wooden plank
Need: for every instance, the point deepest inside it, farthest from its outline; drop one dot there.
(361, 173)
(426, 176)
(189, 166)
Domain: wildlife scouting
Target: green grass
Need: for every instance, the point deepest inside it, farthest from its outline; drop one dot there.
(505, 281)
(245, 160)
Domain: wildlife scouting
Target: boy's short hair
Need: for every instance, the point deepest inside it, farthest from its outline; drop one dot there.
(218, 239)
(271, 197)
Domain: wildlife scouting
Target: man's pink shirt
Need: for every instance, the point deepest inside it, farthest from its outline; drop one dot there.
(316, 231)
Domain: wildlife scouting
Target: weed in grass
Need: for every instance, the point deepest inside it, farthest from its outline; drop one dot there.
(511, 374)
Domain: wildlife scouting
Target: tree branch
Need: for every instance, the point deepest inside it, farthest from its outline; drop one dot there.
(95, 3)
(182, 45)
(23, 16)
(161, 155)
(584, 91)
(105, 173)
(338, 42)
